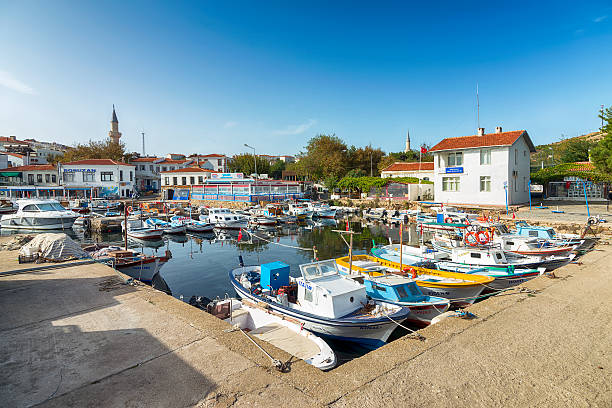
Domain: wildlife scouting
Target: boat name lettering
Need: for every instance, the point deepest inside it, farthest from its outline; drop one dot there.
(301, 283)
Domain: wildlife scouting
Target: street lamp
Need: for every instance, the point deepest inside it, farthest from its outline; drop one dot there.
(255, 158)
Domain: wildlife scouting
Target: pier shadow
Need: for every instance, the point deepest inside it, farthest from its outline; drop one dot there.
(83, 342)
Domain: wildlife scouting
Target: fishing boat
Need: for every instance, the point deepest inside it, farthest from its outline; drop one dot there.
(393, 288)
(39, 215)
(300, 210)
(549, 233)
(321, 210)
(277, 329)
(139, 230)
(192, 225)
(263, 220)
(166, 227)
(459, 288)
(322, 300)
(487, 256)
(132, 263)
(375, 213)
(223, 218)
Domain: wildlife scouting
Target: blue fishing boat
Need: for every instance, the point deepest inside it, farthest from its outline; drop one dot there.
(322, 300)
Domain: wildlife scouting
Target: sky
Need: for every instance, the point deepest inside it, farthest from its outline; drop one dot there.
(208, 77)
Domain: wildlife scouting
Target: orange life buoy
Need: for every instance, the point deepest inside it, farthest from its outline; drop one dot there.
(448, 220)
(414, 273)
(129, 209)
(484, 239)
(472, 242)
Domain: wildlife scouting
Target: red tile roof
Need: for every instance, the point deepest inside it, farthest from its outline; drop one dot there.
(489, 139)
(414, 166)
(145, 159)
(34, 167)
(4, 139)
(21, 156)
(99, 162)
(190, 170)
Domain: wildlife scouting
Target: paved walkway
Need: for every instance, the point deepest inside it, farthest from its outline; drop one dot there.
(77, 337)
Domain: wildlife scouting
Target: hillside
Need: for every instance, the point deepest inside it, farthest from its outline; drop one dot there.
(550, 154)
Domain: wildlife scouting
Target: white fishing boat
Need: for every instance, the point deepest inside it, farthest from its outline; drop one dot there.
(132, 263)
(139, 230)
(276, 329)
(322, 300)
(320, 210)
(39, 215)
(223, 218)
(193, 225)
(166, 227)
(300, 210)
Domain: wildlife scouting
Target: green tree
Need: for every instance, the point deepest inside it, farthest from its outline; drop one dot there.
(410, 156)
(276, 169)
(325, 156)
(575, 150)
(245, 163)
(365, 160)
(602, 153)
(104, 149)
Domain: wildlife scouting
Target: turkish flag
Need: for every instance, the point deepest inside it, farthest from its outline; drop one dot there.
(347, 225)
(240, 235)
(423, 149)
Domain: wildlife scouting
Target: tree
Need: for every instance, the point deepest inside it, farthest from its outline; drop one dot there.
(104, 149)
(365, 160)
(410, 156)
(326, 155)
(276, 169)
(245, 163)
(602, 153)
(575, 150)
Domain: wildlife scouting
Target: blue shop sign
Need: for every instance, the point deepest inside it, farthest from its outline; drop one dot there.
(454, 170)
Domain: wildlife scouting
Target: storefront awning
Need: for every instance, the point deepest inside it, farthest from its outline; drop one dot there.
(10, 173)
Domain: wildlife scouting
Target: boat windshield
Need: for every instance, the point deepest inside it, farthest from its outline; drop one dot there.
(319, 269)
(50, 207)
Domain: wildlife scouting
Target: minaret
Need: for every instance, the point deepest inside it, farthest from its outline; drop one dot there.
(114, 133)
(407, 142)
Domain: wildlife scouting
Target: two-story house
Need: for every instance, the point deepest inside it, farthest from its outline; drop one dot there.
(98, 178)
(483, 168)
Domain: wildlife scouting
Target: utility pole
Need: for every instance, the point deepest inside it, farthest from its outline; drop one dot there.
(143, 145)
(477, 108)
(371, 173)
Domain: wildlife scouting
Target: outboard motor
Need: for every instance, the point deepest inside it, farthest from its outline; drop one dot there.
(240, 261)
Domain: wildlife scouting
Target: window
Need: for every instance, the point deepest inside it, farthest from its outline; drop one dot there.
(515, 185)
(450, 183)
(485, 183)
(192, 180)
(120, 175)
(30, 208)
(68, 176)
(167, 181)
(30, 179)
(174, 181)
(53, 178)
(498, 255)
(516, 156)
(307, 295)
(533, 233)
(164, 168)
(474, 255)
(485, 156)
(426, 178)
(89, 176)
(131, 176)
(220, 162)
(379, 288)
(39, 178)
(157, 169)
(200, 179)
(47, 178)
(525, 184)
(455, 159)
(184, 181)
(106, 176)
(171, 167)
(524, 153)
(142, 167)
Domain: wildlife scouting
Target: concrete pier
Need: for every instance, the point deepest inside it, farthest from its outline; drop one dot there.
(77, 336)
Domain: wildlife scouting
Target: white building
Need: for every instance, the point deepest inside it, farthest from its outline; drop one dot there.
(479, 169)
(177, 183)
(149, 169)
(215, 162)
(423, 170)
(98, 177)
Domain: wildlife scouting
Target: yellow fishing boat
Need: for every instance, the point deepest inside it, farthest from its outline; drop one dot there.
(461, 289)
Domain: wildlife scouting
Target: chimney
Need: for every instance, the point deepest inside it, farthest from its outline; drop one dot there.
(498, 129)
(480, 131)
(13, 137)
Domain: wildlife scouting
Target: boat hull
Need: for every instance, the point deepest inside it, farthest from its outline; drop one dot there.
(368, 334)
(37, 223)
(143, 271)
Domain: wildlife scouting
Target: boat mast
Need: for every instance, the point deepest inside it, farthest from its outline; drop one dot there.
(350, 245)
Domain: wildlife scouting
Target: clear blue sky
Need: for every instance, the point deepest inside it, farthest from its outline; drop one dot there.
(210, 76)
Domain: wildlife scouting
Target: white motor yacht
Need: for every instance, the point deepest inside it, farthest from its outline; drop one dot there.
(39, 215)
(225, 219)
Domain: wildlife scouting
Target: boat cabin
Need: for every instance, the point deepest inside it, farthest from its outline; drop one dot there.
(533, 231)
(477, 256)
(323, 291)
(393, 288)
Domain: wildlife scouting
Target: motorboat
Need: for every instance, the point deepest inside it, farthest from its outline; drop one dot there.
(137, 229)
(263, 220)
(300, 210)
(275, 329)
(39, 215)
(549, 233)
(375, 213)
(487, 256)
(459, 288)
(223, 218)
(410, 254)
(397, 289)
(321, 210)
(322, 300)
(166, 227)
(193, 225)
(132, 263)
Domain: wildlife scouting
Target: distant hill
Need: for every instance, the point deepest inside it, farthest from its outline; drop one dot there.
(591, 137)
(549, 154)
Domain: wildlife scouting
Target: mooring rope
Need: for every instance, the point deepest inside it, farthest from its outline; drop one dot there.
(277, 243)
